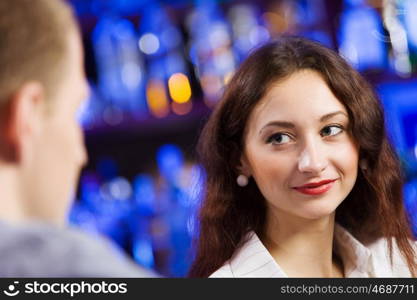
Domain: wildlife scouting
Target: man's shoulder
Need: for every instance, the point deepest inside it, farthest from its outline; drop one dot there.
(42, 250)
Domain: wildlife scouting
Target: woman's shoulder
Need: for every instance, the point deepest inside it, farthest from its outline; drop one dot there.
(229, 267)
(381, 257)
(222, 272)
(381, 246)
(251, 259)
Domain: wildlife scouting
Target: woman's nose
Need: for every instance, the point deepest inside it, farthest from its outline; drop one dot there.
(312, 159)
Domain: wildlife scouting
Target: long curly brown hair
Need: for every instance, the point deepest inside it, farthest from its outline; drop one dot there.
(373, 209)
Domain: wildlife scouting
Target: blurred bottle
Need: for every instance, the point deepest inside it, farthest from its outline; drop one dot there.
(210, 48)
(140, 220)
(248, 31)
(162, 45)
(86, 209)
(399, 55)
(310, 17)
(120, 67)
(90, 115)
(407, 12)
(172, 169)
(361, 37)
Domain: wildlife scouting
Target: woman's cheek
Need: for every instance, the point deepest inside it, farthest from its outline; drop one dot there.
(346, 157)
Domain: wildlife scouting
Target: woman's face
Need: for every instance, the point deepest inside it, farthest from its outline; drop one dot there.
(298, 148)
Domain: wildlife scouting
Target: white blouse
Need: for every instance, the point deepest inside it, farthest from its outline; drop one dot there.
(254, 260)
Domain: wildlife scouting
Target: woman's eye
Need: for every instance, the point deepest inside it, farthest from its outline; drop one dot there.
(278, 138)
(331, 130)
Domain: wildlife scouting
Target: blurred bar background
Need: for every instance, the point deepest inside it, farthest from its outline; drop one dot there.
(157, 68)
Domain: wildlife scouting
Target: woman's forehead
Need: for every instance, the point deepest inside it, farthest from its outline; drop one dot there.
(304, 94)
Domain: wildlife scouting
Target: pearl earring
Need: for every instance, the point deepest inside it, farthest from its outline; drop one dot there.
(242, 180)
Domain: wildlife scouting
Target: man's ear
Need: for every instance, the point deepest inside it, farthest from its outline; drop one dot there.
(20, 119)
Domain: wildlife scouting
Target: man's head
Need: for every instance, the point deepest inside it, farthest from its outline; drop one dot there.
(42, 85)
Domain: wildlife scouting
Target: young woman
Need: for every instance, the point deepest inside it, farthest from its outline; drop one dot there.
(301, 180)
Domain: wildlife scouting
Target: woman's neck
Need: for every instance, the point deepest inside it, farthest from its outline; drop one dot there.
(302, 248)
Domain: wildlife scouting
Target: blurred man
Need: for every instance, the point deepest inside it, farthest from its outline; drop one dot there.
(42, 86)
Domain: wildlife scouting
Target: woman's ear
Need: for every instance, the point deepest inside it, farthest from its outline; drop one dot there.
(243, 172)
(244, 168)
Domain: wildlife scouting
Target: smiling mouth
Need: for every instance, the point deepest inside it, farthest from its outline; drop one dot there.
(316, 188)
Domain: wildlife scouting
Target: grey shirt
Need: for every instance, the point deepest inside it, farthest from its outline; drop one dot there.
(42, 250)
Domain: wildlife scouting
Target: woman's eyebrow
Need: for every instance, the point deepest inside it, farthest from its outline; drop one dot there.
(332, 114)
(289, 125)
(283, 124)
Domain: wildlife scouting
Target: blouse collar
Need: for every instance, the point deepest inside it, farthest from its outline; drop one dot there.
(254, 260)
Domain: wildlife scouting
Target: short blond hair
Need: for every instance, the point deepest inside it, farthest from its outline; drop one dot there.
(33, 43)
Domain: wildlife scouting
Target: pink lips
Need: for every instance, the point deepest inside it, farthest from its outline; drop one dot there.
(316, 188)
